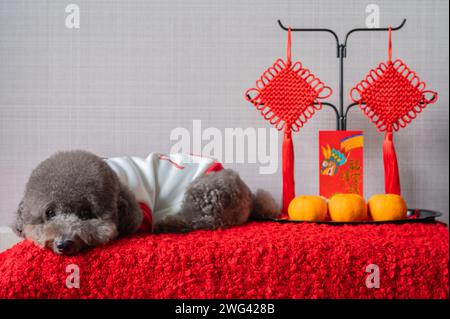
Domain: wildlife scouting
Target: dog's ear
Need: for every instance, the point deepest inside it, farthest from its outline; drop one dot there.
(17, 226)
(130, 216)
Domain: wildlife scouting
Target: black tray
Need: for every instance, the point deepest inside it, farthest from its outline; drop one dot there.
(414, 215)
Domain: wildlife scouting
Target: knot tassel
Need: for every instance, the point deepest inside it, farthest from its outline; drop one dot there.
(288, 171)
(391, 175)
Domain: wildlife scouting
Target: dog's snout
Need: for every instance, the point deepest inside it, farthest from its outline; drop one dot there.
(65, 245)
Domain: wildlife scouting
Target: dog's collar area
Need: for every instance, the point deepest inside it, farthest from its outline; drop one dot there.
(147, 221)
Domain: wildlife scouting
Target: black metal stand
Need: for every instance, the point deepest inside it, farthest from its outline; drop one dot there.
(341, 49)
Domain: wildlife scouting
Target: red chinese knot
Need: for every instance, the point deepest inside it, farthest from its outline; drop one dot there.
(391, 96)
(287, 95)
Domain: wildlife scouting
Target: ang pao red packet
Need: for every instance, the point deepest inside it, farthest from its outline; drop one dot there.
(340, 162)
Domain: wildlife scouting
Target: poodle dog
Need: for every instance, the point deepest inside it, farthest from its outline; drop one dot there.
(74, 199)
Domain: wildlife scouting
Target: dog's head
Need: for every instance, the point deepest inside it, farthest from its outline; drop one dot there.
(74, 200)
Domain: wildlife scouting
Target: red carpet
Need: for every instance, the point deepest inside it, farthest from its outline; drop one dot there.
(258, 260)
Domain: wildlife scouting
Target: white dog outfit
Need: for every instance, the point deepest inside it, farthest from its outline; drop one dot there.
(159, 181)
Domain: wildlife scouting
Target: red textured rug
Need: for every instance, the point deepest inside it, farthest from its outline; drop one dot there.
(258, 260)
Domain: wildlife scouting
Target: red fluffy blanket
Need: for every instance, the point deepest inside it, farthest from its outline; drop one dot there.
(258, 260)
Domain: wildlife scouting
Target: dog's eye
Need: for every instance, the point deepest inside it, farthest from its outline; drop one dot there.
(50, 213)
(86, 213)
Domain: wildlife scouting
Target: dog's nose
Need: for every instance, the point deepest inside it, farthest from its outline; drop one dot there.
(65, 245)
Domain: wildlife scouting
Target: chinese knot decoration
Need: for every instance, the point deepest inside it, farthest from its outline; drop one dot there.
(391, 96)
(287, 95)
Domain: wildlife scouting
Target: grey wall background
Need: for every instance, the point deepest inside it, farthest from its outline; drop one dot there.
(137, 69)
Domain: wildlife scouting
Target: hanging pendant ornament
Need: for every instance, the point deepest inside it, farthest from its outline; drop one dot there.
(391, 96)
(287, 95)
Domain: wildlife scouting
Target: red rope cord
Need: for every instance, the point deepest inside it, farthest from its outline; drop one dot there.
(390, 45)
(289, 49)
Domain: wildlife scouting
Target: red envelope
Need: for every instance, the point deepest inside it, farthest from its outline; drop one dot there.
(340, 162)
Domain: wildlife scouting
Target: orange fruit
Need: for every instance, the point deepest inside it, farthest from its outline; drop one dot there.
(387, 207)
(347, 208)
(308, 207)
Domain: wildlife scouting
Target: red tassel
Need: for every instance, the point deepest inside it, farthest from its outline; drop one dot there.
(288, 170)
(391, 175)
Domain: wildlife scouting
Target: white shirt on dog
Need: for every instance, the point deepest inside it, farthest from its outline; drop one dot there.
(160, 181)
